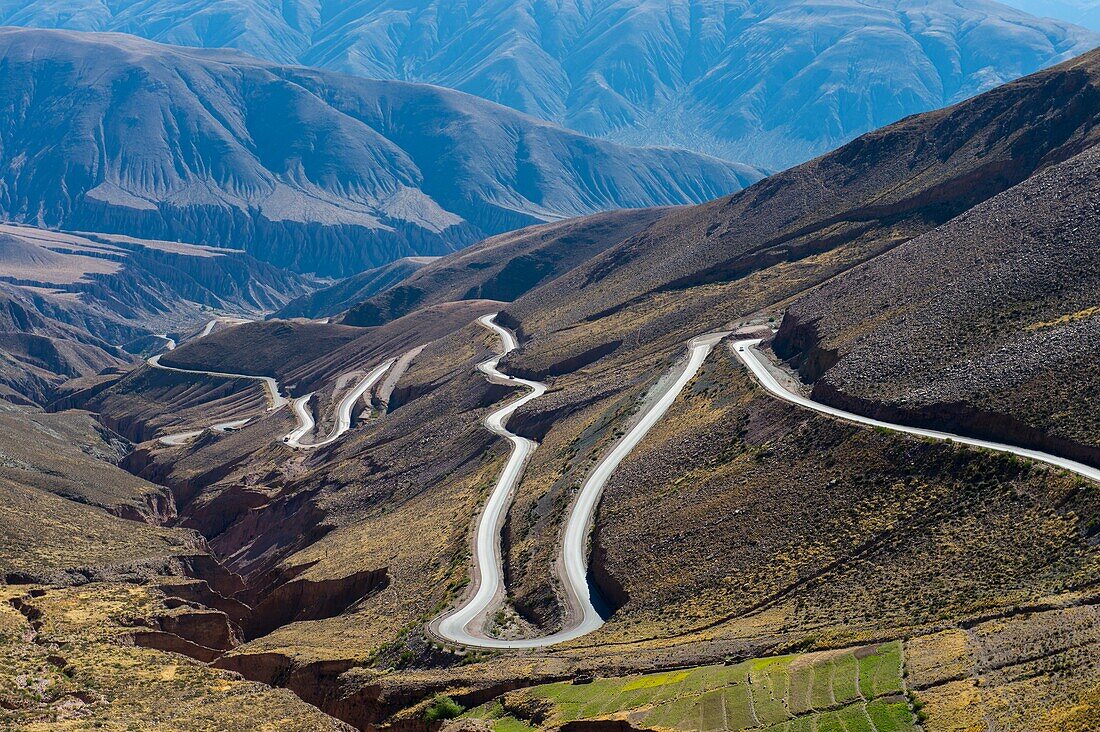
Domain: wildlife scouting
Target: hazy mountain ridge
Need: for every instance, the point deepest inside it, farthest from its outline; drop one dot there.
(71, 305)
(767, 81)
(311, 170)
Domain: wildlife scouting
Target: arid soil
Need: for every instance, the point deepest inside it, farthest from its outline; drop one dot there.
(1012, 352)
(742, 526)
(504, 267)
(73, 305)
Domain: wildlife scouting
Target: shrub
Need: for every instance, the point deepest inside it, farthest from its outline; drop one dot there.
(443, 707)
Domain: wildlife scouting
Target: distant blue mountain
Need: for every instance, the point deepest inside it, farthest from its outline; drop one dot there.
(308, 169)
(770, 82)
(1081, 12)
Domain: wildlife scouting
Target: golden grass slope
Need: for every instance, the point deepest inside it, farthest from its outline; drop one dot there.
(66, 663)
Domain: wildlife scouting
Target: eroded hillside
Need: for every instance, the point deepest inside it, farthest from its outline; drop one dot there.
(310, 170)
(759, 563)
(988, 323)
(75, 305)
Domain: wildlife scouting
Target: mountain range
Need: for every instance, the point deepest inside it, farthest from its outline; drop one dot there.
(74, 305)
(939, 272)
(311, 170)
(768, 82)
(820, 453)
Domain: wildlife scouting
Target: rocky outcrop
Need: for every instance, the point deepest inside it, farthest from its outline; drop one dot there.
(157, 507)
(199, 592)
(610, 595)
(217, 510)
(73, 393)
(161, 641)
(799, 344)
(304, 599)
(319, 684)
(207, 568)
(207, 628)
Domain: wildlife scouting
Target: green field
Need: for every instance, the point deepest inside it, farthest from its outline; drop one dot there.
(856, 690)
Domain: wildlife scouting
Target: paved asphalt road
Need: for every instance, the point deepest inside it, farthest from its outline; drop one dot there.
(746, 351)
(343, 411)
(465, 625)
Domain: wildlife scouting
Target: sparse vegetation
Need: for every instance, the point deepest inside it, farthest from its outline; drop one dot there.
(740, 528)
(442, 707)
(76, 669)
(1033, 671)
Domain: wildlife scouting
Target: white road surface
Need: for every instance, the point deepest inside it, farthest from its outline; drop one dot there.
(182, 438)
(271, 387)
(755, 361)
(275, 398)
(227, 319)
(304, 417)
(464, 625)
(343, 411)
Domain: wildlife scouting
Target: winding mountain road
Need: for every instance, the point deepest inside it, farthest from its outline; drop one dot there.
(304, 417)
(757, 364)
(465, 624)
(276, 400)
(343, 411)
(182, 438)
(271, 387)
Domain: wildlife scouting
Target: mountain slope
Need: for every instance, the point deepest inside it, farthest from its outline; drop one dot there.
(310, 170)
(604, 329)
(503, 267)
(70, 304)
(867, 197)
(768, 81)
(741, 525)
(339, 297)
(988, 324)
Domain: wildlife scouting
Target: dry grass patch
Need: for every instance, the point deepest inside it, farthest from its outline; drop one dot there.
(75, 669)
